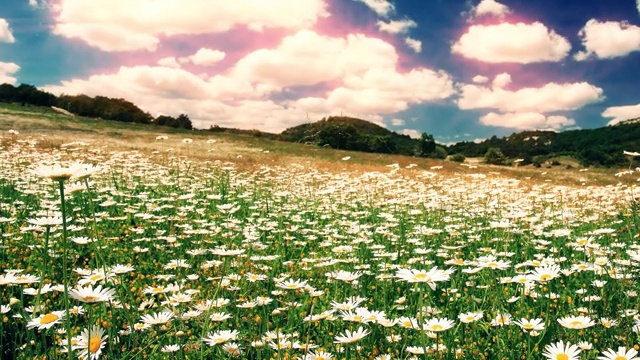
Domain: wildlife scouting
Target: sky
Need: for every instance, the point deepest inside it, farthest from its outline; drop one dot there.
(462, 70)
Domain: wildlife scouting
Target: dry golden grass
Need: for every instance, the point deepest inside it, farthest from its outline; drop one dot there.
(52, 130)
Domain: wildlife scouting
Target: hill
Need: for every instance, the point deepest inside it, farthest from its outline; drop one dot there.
(591, 147)
(347, 133)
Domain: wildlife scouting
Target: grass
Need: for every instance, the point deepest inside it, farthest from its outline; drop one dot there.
(246, 248)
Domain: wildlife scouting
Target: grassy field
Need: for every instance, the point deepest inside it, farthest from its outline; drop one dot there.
(132, 242)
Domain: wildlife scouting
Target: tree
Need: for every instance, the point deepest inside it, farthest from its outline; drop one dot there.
(427, 145)
(494, 156)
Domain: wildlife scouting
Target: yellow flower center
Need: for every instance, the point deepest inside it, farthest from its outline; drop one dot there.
(421, 276)
(48, 319)
(94, 344)
(437, 327)
(89, 298)
(620, 358)
(576, 323)
(545, 277)
(492, 264)
(562, 357)
(96, 277)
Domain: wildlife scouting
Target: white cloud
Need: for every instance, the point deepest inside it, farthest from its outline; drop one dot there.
(526, 121)
(550, 97)
(330, 58)
(381, 7)
(354, 75)
(6, 72)
(396, 26)
(638, 1)
(609, 39)
(515, 43)
(621, 113)
(5, 32)
(479, 79)
(118, 25)
(171, 62)
(490, 7)
(415, 134)
(413, 44)
(397, 122)
(501, 80)
(206, 57)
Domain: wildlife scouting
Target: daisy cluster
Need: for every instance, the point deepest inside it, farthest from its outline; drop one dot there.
(175, 257)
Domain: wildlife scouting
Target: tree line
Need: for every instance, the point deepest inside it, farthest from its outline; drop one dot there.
(94, 107)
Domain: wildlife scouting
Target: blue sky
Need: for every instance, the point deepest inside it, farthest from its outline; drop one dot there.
(461, 70)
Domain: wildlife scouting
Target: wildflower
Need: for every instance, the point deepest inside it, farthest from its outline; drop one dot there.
(220, 337)
(46, 321)
(530, 325)
(351, 336)
(59, 173)
(501, 320)
(320, 355)
(292, 284)
(170, 348)
(470, 317)
(421, 276)
(621, 354)
(576, 322)
(91, 295)
(543, 274)
(437, 325)
(560, 351)
(232, 349)
(157, 318)
(91, 342)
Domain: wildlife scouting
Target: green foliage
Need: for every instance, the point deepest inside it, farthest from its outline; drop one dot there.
(427, 145)
(457, 157)
(439, 153)
(104, 108)
(26, 94)
(494, 156)
(181, 121)
(346, 133)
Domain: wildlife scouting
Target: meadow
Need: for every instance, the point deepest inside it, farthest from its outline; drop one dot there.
(193, 248)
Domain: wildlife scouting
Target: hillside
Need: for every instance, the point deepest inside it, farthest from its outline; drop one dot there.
(347, 133)
(598, 147)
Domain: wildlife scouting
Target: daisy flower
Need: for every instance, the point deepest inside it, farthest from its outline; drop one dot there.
(220, 337)
(529, 325)
(560, 351)
(470, 317)
(621, 354)
(90, 295)
(437, 325)
(320, 355)
(46, 321)
(351, 336)
(91, 343)
(157, 318)
(576, 322)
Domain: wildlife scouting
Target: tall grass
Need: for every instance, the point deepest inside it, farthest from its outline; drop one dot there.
(173, 257)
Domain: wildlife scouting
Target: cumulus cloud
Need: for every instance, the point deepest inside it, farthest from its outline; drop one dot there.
(396, 26)
(621, 113)
(381, 7)
(490, 7)
(206, 57)
(170, 61)
(514, 43)
(608, 39)
(6, 72)
(413, 44)
(5, 32)
(330, 58)
(397, 122)
(117, 25)
(356, 75)
(479, 79)
(415, 134)
(526, 121)
(501, 80)
(550, 97)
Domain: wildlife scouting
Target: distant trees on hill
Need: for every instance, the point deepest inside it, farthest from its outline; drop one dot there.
(96, 107)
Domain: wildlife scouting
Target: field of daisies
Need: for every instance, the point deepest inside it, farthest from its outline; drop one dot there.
(120, 254)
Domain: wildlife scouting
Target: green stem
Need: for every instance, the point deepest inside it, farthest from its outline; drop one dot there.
(65, 280)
